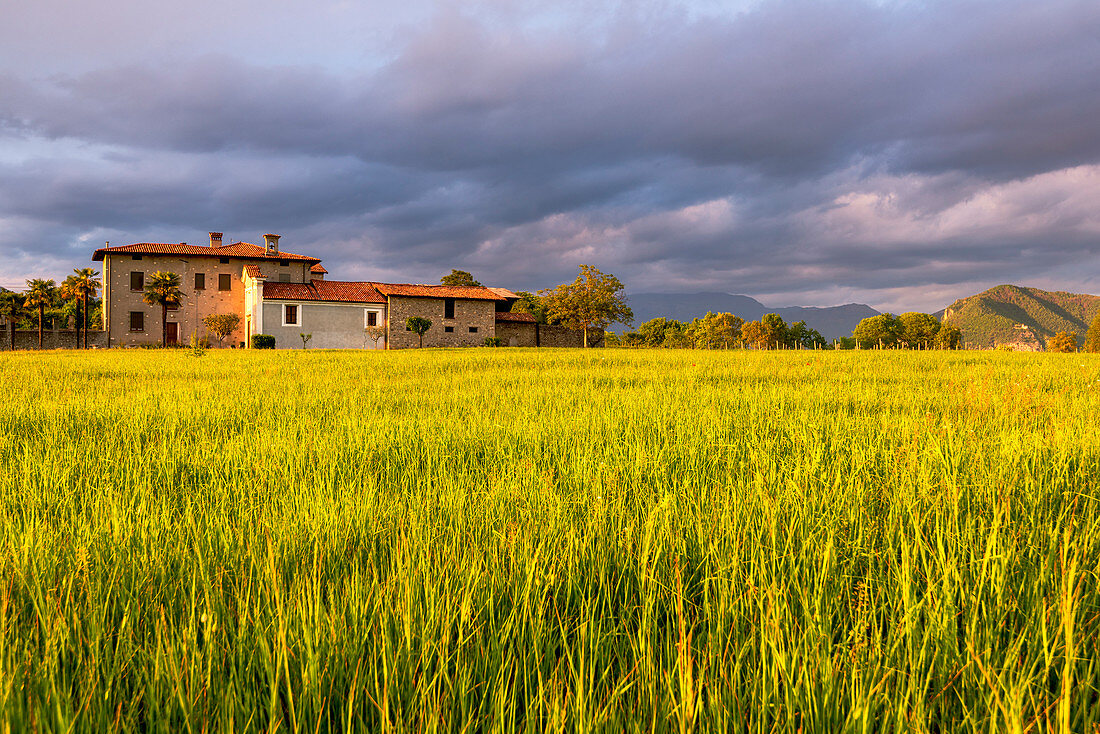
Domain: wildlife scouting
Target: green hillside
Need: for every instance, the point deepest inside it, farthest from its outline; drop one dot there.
(999, 315)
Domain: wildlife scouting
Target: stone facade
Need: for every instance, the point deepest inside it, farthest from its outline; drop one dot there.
(119, 300)
(469, 314)
(332, 325)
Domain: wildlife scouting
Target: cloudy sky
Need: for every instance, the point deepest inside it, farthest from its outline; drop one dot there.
(900, 154)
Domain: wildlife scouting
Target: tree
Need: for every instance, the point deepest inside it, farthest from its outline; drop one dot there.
(374, 333)
(716, 331)
(770, 332)
(221, 325)
(11, 308)
(654, 331)
(801, 336)
(917, 330)
(459, 277)
(532, 304)
(40, 295)
(305, 339)
(948, 337)
(163, 289)
(70, 293)
(1063, 341)
(419, 326)
(881, 330)
(594, 299)
(86, 286)
(1092, 336)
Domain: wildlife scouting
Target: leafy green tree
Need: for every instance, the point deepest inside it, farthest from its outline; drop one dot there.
(1063, 341)
(917, 330)
(653, 331)
(41, 294)
(801, 336)
(305, 339)
(70, 294)
(532, 304)
(459, 277)
(594, 299)
(948, 337)
(770, 332)
(222, 325)
(611, 339)
(163, 289)
(1092, 336)
(881, 330)
(11, 308)
(716, 331)
(419, 326)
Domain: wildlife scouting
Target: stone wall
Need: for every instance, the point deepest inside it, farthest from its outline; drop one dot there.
(560, 336)
(469, 313)
(516, 334)
(51, 338)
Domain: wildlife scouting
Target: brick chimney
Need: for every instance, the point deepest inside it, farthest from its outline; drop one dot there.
(271, 244)
(215, 239)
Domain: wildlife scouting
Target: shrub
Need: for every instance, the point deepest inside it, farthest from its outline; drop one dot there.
(263, 341)
(492, 341)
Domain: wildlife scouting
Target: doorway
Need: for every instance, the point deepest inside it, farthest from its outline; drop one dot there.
(173, 333)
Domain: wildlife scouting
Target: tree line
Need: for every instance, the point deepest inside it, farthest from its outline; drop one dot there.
(44, 301)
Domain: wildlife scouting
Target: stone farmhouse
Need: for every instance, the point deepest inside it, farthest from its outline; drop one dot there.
(285, 295)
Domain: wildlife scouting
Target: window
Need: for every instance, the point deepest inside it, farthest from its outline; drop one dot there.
(225, 282)
(200, 281)
(407, 329)
(137, 321)
(372, 318)
(448, 329)
(290, 315)
(284, 277)
(284, 263)
(224, 260)
(448, 308)
(137, 280)
(135, 257)
(473, 329)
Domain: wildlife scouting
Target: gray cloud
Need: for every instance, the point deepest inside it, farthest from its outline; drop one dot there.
(778, 150)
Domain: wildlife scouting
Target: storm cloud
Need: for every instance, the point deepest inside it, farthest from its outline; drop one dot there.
(897, 153)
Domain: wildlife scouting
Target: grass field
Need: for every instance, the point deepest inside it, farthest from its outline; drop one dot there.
(498, 540)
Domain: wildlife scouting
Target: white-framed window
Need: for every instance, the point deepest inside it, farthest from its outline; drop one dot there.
(372, 317)
(292, 314)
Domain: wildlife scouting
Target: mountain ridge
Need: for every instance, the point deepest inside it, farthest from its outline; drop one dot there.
(1020, 316)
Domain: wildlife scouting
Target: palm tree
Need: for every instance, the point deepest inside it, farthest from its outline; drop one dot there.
(70, 291)
(11, 308)
(40, 294)
(163, 289)
(87, 286)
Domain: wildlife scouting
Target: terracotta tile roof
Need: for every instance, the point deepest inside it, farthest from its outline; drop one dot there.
(318, 268)
(410, 290)
(523, 318)
(336, 291)
(253, 271)
(504, 292)
(237, 250)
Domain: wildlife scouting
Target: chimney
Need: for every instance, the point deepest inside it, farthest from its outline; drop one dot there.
(271, 244)
(215, 239)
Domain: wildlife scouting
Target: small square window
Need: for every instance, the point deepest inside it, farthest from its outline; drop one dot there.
(284, 277)
(290, 315)
(473, 329)
(225, 282)
(448, 329)
(137, 280)
(224, 260)
(135, 257)
(284, 263)
(137, 321)
(407, 329)
(200, 281)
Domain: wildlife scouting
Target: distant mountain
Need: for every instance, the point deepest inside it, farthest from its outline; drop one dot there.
(832, 322)
(1018, 316)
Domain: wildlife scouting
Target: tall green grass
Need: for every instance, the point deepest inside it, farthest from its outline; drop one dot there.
(523, 540)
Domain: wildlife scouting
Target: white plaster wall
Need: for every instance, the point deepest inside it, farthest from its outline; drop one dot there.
(333, 325)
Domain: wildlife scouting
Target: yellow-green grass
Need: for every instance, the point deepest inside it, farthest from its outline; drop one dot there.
(498, 540)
